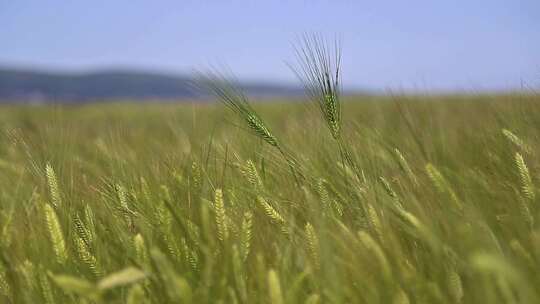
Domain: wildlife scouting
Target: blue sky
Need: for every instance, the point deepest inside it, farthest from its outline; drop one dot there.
(413, 44)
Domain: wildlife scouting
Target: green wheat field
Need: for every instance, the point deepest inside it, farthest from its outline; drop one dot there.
(331, 199)
(421, 200)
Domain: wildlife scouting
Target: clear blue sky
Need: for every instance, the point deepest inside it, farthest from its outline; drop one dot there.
(424, 44)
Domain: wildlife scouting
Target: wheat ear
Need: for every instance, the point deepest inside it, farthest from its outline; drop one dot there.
(274, 288)
(54, 190)
(313, 245)
(442, 185)
(516, 141)
(527, 186)
(87, 257)
(55, 234)
(221, 223)
(245, 241)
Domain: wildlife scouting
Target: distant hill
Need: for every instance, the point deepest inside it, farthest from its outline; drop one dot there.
(19, 85)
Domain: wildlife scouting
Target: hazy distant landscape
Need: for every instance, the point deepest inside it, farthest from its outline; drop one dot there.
(30, 86)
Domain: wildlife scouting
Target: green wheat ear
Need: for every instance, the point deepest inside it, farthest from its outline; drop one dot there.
(89, 217)
(176, 287)
(313, 299)
(245, 237)
(194, 232)
(515, 140)
(233, 97)
(455, 286)
(249, 170)
(404, 165)
(84, 233)
(141, 253)
(87, 257)
(221, 221)
(374, 220)
(274, 215)
(28, 273)
(239, 276)
(525, 212)
(521, 252)
(136, 295)
(274, 288)
(319, 71)
(401, 297)
(45, 286)
(122, 199)
(391, 192)
(324, 196)
(527, 186)
(54, 190)
(55, 234)
(270, 211)
(328, 205)
(196, 176)
(313, 245)
(193, 259)
(375, 249)
(442, 185)
(5, 288)
(319, 68)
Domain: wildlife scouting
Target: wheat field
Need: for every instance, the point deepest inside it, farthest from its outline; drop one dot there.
(420, 199)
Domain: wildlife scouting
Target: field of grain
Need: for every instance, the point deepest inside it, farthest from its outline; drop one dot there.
(422, 200)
